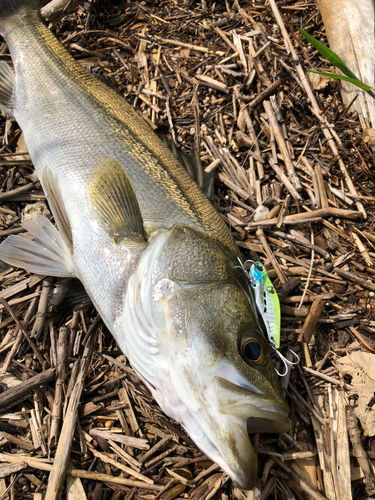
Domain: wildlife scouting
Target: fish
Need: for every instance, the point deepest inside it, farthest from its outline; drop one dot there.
(151, 251)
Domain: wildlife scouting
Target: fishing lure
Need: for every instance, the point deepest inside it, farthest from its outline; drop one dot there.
(268, 305)
(267, 302)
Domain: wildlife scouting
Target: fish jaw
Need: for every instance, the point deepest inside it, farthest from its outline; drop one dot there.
(225, 427)
(217, 417)
(257, 411)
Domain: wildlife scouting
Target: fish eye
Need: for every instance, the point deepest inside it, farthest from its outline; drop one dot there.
(252, 350)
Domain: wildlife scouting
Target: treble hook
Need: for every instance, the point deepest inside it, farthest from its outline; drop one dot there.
(243, 265)
(286, 361)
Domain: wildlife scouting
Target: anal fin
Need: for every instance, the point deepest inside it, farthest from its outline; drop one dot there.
(48, 254)
(51, 189)
(6, 88)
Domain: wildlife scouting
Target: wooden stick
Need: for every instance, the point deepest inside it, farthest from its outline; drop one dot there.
(62, 352)
(140, 444)
(358, 449)
(162, 455)
(250, 126)
(270, 255)
(83, 474)
(54, 8)
(363, 250)
(284, 180)
(321, 187)
(301, 241)
(37, 354)
(307, 405)
(12, 396)
(296, 299)
(225, 38)
(311, 321)
(356, 279)
(9, 195)
(198, 48)
(327, 212)
(237, 189)
(283, 211)
(302, 263)
(273, 222)
(42, 309)
(312, 492)
(106, 459)
(310, 270)
(125, 456)
(356, 333)
(327, 378)
(264, 94)
(23, 443)
(369, 235)
(19, 287)
(343, 467)
(58, 471)
(341, 195)
(154, 449)
(106, 478)
(124, 398)
(206, 472)
(28, 316)
(282, 146)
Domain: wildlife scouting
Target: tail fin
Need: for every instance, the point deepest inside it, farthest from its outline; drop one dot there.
(10, 7)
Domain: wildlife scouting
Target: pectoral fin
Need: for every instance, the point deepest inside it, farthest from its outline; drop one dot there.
(48, 254)
(114, 202)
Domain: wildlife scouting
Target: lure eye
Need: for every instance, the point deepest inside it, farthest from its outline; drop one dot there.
(252, 350)
(259, 267)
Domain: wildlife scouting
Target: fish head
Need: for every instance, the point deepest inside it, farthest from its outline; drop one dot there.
(212, 368)
(222, 373)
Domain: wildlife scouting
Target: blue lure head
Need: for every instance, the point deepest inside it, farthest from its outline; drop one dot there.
(258, 272)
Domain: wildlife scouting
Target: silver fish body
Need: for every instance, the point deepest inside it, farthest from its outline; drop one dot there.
(161, 269)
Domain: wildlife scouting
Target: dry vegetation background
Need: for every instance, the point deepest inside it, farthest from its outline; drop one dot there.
(294, 180)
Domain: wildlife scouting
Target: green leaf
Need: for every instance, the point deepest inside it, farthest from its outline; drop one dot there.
(356, 82)
(332, 57)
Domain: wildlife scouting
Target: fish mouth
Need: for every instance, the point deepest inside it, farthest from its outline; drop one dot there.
(248, 404)
(247, 410)
(220, 423)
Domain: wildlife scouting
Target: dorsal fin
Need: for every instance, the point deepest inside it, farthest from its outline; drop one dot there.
(193, 165)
